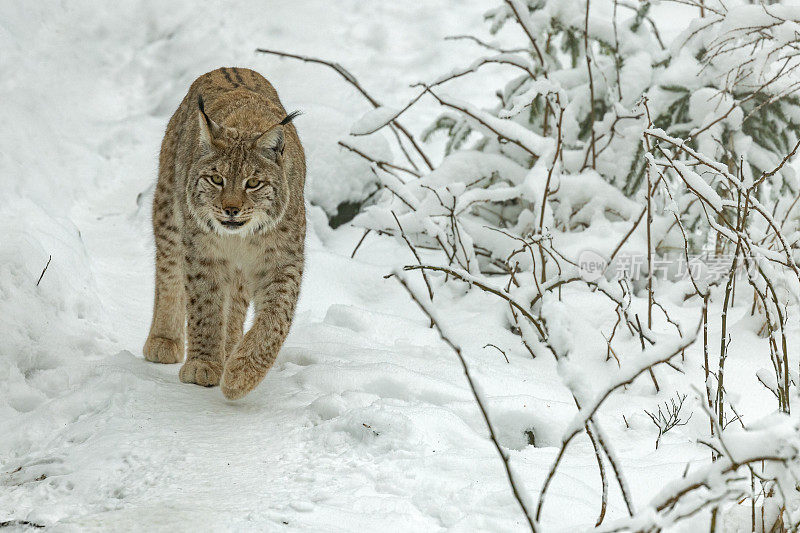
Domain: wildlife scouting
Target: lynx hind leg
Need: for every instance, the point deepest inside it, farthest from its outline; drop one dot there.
(237, 312)
(166, 341)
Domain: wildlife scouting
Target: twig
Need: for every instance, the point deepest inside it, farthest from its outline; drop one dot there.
(416, 255)
(520, 13)
(22, 523)
(498, 349)
(360, 241)
(650, 370)
(670, 417)
(484, 44)
(591, 83)
(44, 270)
(383, 165)
(603, 477)
(344, 73)
(649, 221)
(547, 185)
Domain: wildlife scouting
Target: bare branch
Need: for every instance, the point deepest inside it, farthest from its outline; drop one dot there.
(344, 73)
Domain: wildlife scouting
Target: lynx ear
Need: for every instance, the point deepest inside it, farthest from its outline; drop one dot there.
(208, 128)
(271, 142)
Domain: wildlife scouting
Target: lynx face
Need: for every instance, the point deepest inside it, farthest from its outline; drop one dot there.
(238, 185)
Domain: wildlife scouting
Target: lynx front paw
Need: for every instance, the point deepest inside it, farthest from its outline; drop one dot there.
(201, 371)
(163, 350)
(240, 377)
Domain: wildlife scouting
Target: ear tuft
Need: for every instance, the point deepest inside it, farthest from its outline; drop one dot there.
(271, 142)
(291, 116)
(208, 128)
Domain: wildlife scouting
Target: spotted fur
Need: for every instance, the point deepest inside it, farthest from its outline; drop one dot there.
(229, 225)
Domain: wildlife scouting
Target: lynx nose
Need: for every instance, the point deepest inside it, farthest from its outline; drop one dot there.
(231, 211)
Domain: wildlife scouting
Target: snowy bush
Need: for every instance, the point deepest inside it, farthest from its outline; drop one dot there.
(611, 141)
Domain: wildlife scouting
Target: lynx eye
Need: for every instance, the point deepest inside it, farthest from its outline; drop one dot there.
(215, 179)
(252, 183)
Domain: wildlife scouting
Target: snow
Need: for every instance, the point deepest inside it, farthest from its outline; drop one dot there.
(697, 183)
(366, 422)
(373, 120)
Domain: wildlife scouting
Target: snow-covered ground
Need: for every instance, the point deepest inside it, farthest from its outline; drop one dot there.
(366, 422)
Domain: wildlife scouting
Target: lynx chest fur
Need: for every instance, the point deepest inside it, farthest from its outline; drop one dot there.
(229, 226)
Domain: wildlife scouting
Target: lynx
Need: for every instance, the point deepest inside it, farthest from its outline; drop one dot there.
(229, 224)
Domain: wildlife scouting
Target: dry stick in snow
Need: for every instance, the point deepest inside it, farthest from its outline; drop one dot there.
(766, 175)
(496, 348)
(431, 314)
(666, 501)
(360, 242)
(344, 73)
(625, 238)
(744, 245)
(668, 318)
(724, 452)
(772, 172)
(782, 322)
(630, 321)
(598, 443)
(21, 523)
(781, 369)
(738, 104)
(49, 257)
(611, 134)
(389, 188)
(596, 435)
(683, 234)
